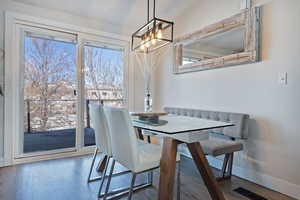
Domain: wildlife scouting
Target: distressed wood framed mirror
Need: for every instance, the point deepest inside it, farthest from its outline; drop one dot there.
(232, 41)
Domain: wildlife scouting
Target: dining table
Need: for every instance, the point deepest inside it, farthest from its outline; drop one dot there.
(177, 130)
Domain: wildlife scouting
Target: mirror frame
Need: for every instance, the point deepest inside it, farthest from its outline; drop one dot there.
(248, 18)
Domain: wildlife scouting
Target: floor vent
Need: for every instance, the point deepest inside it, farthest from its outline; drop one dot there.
(250, 195)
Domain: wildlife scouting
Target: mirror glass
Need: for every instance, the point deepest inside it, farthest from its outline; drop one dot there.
(214, 46)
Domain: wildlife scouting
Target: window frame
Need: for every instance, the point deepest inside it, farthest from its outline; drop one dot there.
(99, 42)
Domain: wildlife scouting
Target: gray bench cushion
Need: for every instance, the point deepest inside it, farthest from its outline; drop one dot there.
(219, 142)
(216, 146)
(239, 130)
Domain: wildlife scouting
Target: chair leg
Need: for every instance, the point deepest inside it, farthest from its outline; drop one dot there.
(178, 181)
(92, 165)
(230, 165)
(227, 167)
(224, 167)
(149, 139)
(103, 176)
(131, 186)
(109, 179)
(150, 177)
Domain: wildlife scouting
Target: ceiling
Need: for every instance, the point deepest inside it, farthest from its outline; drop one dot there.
(126, 13)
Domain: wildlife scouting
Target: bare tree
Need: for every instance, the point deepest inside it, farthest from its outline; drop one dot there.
(50, 74)
(103, 70)
(48, 69)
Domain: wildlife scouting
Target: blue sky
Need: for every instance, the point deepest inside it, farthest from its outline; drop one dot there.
(114, 56)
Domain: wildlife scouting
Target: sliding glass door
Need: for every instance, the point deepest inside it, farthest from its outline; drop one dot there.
(103, 80)
(58, 75)
(50, 83)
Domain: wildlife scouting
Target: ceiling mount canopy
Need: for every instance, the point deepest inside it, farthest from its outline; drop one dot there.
(153, 35)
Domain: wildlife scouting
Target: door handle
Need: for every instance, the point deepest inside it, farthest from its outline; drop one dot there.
(1, 54)
(1, 91)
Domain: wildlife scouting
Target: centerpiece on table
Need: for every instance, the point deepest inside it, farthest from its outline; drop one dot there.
(147, 63)
(150, 118)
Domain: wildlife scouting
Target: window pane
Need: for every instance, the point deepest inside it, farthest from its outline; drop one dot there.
(49, 100)
(104, 81)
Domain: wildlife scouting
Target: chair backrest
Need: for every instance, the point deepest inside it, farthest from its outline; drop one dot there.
(123, 138)
(240, 121)
(100, 126)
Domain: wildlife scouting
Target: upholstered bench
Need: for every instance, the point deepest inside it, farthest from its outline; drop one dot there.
(222, 141)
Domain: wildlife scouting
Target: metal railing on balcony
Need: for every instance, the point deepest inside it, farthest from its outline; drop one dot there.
(34, 115)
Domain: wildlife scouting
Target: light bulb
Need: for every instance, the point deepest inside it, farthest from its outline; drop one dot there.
(147, 40)
(148, 44)
(159, 34)
(153, 39)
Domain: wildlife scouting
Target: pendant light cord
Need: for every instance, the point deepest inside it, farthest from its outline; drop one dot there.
(148, 11)
(148, 17)
(153, 8)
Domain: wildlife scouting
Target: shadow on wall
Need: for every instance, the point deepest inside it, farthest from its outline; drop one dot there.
(1, 54)
(266, 26)
(1, 102)
(261, 136)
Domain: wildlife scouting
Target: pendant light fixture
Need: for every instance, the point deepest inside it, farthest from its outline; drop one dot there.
(153, 35)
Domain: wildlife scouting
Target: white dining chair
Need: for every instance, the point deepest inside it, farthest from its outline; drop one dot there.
(102, 140)
(136, 155)
(103, 144)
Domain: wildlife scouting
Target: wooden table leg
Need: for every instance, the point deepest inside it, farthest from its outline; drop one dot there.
(101, 164)
(167, 169)
(140, 134)
(205, 171)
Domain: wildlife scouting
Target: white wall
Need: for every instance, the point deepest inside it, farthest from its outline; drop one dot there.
(271, 156)
(138, 82)
(1, 79)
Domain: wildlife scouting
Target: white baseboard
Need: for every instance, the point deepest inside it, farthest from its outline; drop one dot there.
(50, 157)
(38, 158)
(267, 181)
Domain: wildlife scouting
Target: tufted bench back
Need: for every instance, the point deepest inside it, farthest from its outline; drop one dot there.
(240, 130)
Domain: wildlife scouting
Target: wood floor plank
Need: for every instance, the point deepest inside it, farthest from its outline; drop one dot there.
(101, 164)
(205, 171)
(65, 179)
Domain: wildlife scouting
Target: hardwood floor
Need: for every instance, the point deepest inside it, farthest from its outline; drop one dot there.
(65, 179)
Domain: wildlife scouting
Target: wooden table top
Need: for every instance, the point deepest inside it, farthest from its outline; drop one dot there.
(148, 114)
